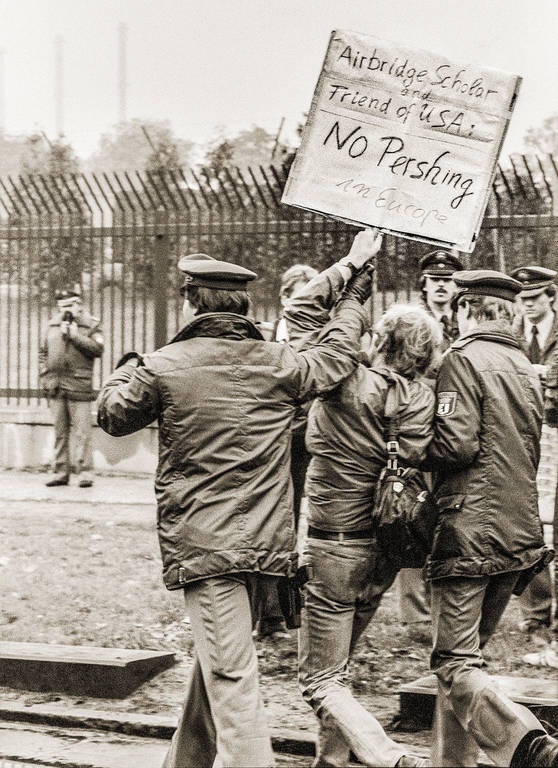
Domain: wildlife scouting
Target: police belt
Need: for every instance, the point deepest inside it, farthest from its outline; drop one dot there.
(319, 533)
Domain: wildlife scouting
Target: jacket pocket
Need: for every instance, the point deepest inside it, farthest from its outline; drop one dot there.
(450, 503)
(448, 542)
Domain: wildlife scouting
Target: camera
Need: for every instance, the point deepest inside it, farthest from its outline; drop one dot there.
(67, 317)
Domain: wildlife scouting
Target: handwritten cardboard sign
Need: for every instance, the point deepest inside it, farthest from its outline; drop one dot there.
(403, 140)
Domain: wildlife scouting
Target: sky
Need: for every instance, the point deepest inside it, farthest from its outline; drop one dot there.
(235, 63)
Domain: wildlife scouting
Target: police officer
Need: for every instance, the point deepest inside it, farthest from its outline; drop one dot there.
(67, 354)
(537, 328)
(437, 286)
(225, 399)
(488, 539)
(537, 324)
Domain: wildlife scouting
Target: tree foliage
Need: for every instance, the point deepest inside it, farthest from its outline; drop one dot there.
(249, 148)
(544, 137)
(140, 145)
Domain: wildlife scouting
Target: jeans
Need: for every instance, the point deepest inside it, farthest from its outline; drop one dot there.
(223, 723)
(340, 600)
(414, 596)
(471, 711)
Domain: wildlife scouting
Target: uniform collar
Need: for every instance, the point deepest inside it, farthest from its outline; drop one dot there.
(219, 325)
(496, 330)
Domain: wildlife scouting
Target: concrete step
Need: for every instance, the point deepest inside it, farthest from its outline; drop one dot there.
(79, 670)
(417, 699)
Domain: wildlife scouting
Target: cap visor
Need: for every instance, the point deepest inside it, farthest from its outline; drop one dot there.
(531, 293)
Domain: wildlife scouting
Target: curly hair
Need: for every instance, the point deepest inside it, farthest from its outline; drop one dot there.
(408, 337)
(294, 275)
(488, 308)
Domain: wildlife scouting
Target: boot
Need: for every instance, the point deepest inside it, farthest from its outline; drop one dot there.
(537, 750)
(412, 761)
(85, 480)
(59, 479)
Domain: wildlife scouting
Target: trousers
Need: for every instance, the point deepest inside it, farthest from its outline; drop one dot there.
(536, 600)
(414, 596)
(339, 602)
(471, 711)
(223, 723)
(71, 415)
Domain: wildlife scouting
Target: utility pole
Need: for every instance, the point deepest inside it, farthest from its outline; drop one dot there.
(2, 93)
(59, 85)
(276, 144)
(122, 72)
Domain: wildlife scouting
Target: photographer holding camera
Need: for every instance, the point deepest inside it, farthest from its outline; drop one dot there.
(72, 342)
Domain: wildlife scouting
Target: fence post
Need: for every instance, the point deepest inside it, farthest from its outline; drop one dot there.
(160, 279)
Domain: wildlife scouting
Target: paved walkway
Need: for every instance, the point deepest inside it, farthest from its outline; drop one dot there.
(107, 489)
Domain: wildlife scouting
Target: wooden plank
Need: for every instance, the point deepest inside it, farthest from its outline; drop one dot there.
(79, 654)
(79, 670)
(417, 699)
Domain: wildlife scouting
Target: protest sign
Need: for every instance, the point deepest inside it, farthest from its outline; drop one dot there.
(402, 139)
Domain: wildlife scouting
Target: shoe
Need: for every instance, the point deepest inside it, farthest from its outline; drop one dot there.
(58, 479)
(279, 634)
(412, 761)
(271, 630)
(529, 626)
(548, 657)
(536, 750)
(420, 632)
(85, 481)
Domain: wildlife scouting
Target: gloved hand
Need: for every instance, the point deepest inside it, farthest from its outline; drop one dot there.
(130, 356)
(359, 286)
(365, 246)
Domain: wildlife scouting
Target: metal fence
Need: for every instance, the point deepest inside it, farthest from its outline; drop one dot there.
(119, 235)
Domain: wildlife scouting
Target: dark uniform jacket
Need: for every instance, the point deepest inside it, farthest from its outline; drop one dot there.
(345, 432)
(485, 454)
(550, 349)
(66, 364)
(225, 399)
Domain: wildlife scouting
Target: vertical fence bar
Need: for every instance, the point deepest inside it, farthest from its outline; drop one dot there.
(160, 273)
(9, 316)
(232, 215)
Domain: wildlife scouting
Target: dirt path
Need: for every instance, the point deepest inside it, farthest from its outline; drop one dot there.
(78, 571)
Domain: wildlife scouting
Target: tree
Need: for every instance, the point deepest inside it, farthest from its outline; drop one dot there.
(140, 145)
(61, 259)
(48, 157)
(248, 148)
(12, 152)
(544, 138)
(220, 153)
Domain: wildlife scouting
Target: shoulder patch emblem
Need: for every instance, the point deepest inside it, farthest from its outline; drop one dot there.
(446, 403)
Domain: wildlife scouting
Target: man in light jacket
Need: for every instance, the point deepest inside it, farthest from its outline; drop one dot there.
(224, 399)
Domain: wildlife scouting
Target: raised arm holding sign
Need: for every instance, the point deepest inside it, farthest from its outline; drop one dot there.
(403, 140)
